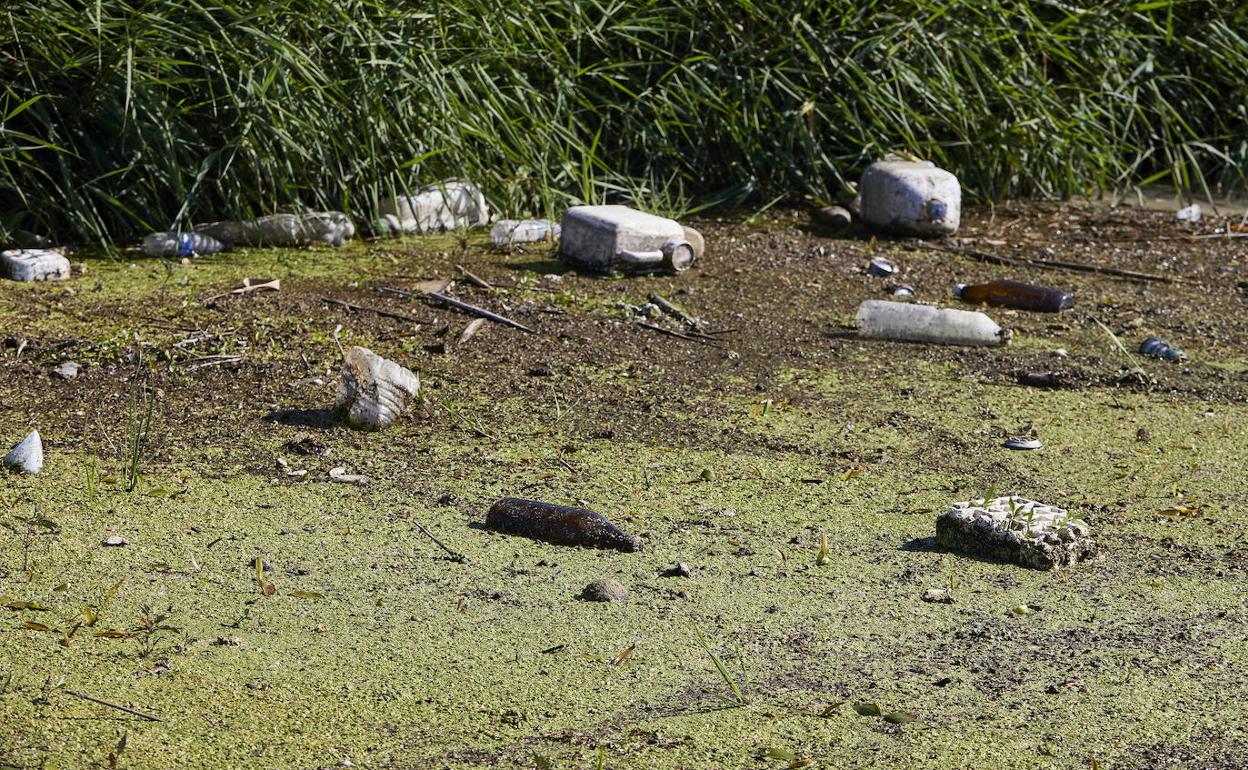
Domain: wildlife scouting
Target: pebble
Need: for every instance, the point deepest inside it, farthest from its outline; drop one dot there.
(27, 455)
(114, 541)
(677, 570)
(606, 590)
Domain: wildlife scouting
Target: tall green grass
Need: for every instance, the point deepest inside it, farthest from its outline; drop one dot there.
(122, 116)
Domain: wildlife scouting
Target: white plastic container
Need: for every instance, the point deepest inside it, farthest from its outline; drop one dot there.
(881, 319)
(180, 245)
(619, 238)
(34, 265)
(911, 198)
(506, 232)
(441, 206)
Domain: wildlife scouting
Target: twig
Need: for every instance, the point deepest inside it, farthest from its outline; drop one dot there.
(203, 361)
(996, 259)
(103, 702)
(247, 288)
(455, 555)
(496, 318)
(703, 339)
(474, 280)
(675, 312)
(378, 311)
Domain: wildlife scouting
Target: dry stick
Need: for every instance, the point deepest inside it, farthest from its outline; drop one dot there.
(102, 702)
(995, 259)
(378, 311)
(496, 318)
(674, 311)
(455, 555)
(701, 339)
(484, 284)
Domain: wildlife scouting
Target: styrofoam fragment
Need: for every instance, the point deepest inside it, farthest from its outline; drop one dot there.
(1031, 534)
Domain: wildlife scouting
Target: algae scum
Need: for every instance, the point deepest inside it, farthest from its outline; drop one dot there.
(272, 618)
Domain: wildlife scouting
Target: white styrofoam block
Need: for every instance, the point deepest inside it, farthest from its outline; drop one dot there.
(35, 265)
(609, 238)
(912, 198)
(1018, 530)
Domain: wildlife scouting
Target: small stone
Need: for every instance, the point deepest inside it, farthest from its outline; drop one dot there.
(606, 590)
(226, 641)
(1060, 353)
(1143, 435)
(114, 541)
(1021, 610)
(66, 370)
(27, 456)
(938, 596)
(677, 570)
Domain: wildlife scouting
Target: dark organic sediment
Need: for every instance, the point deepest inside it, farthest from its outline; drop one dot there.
(559, 524)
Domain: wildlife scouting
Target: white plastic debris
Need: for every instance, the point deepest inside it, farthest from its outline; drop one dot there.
(66, 370)
(332, 227)
(114, 541)
(506, 232)
(1188, 214)
(180, 244)
(1017, 530)
(607, 238)
(911, 198)
(374, 391)
(27, 456)
(34, 265)
(441, 206)
(1023, 443)
(340, 475)
(881, 319)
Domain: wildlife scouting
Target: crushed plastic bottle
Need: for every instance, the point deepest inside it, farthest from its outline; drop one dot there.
(440, 206)
(1156, 347)
(1189, 214)
(881, 319)
(180, 245)
(332, 227)
(1015, 294)
(506, 232)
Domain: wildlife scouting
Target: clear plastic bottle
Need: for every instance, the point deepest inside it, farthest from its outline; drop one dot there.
(881, 319)
(180, 244)
(1015, 294)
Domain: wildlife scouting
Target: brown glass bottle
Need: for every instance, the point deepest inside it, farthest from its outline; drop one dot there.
(1015, 294)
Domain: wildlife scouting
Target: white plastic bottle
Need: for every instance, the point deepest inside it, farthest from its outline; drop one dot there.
(880, 319)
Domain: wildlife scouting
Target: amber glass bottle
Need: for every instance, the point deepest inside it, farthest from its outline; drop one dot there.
(1015, 294)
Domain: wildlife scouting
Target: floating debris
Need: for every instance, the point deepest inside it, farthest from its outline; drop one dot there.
(27, 456)
(1156, 347)
(332, 227)
(34, 265)
(606, 590)
(114, 541)
(881, 319)
(938, 596)
(167, 244)
(374, 391)
(902, 291)
(1015, 294)
(1023, 443)
(340, 475)
(911, 198)
(559, 524)
(1017, 530)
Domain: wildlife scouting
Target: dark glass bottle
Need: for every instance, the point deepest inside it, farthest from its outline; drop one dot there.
(1015, 294)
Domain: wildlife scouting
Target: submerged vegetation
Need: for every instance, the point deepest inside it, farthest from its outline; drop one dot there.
(127, 116)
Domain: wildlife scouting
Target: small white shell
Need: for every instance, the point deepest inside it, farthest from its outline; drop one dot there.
(27, 456)
(373, 390)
